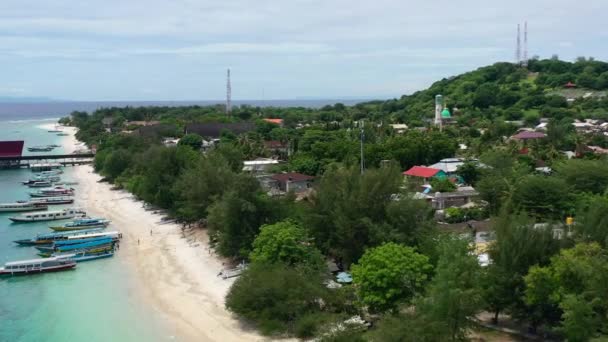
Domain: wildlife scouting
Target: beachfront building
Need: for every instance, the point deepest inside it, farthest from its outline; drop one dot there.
(275, 121)
(293, 181)
(423, 174)
(462, 196)
(259, 165)
(214, 130)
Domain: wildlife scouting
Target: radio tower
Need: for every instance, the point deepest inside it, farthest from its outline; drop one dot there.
(518, 48)
(228, 94)
(525, 61)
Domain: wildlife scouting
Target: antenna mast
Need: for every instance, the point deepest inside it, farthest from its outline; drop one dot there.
(362, 138)
(525, 61)
(518, 48)
(228, 94)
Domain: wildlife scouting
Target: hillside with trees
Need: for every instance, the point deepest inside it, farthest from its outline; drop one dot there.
(413, 277)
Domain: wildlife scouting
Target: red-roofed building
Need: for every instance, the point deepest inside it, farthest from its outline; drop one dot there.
(277, 147)
(293, 181)
(11, 148)
(526, 135)
(424, 172)
(275, 121)
(570, 85)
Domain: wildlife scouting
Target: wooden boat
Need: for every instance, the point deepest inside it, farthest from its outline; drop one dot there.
(63, 134)
(21, 207)
(48, 239)
(102, 249)
(69, 241)
(84, 256)
(49, 215)
(33, 266)
(53, 192)
(84, 223)
(101, 243)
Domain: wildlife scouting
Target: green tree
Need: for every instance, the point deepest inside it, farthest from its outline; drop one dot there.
(193, 140)
(584, 175)
(517, 247)
(274, 296)
(469, 172)
(235, 219)
(442, 185)
(116, 162)
(579, 321)
(543, 197)
(199, 186)
(454, 294)
(285, 242)
(390, 274)
(348, 211)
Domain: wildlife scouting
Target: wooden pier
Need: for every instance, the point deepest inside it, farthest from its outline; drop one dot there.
(29, 161)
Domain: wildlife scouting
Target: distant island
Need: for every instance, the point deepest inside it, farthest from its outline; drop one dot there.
(478, 203)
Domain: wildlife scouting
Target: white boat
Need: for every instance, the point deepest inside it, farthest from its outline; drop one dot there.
(53, 200)
(40, 184)
(21, 206)
(49, 215)
(45, 166)
(53, 192)
(33, 266)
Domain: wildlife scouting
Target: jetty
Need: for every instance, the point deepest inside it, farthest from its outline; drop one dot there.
(11, 156)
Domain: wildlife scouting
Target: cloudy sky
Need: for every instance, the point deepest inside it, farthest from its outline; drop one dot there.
(180, 49)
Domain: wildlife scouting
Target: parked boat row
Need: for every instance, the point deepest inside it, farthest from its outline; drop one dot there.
(79, 238)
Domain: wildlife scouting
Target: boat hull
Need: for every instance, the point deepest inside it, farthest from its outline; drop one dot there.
(37, 270)
(67, 229)
(24, 209)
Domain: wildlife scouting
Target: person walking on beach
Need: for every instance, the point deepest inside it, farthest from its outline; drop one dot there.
(150, 232)
(138, 241)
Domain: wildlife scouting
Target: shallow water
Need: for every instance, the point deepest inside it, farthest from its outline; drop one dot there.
(98, 301)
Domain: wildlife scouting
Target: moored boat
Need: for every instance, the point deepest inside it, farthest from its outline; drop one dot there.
(47, 148)
(83, 223)
(53, 192)
(48, 215)
(53, 200)
(33, 266)
(84, 255)
(99, 243)
(48, 239)
(40, 184)
(49, 178)
(21, 207)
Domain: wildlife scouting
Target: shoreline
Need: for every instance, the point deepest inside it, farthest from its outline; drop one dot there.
(174, 268)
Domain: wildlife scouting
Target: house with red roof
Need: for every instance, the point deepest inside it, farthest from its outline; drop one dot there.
(424, 173)
(274, 121)
(293, 181)
(528, 135)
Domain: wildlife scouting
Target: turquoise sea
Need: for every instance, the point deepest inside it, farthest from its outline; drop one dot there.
(98, 301)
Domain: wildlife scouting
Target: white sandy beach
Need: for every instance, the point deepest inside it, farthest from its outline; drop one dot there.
(176, 270)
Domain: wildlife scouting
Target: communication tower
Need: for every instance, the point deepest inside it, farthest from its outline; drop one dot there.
(525, 60)
(518, 48)
(228, 94)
